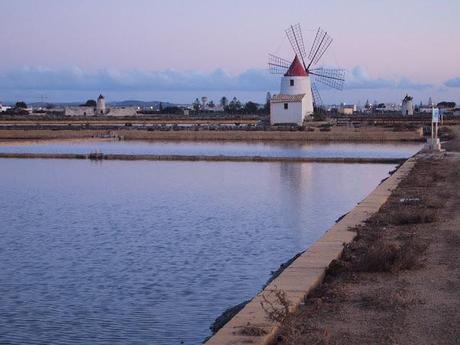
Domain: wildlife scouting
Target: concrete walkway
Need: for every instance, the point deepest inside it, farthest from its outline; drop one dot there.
(251, 324)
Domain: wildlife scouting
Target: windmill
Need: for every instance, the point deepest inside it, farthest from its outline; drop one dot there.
(301, 77)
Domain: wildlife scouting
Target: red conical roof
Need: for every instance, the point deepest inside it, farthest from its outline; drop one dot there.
(296, 69)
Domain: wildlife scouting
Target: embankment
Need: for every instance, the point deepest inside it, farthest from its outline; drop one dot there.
(365, 134)
(399, 281)
(286, 292)
(128, 157)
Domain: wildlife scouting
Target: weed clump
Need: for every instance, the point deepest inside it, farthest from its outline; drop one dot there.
(384, 256)
(252, 331)
(413, 216)
(277, 309)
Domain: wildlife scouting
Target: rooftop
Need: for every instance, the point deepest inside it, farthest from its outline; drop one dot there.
(287, 98)
(296, 69)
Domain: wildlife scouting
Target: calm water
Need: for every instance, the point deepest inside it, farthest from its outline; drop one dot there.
(397, 150)
(153, 252)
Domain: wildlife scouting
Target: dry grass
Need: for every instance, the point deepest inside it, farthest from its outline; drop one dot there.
(387, 300)
(383, 256)
(252, 331)
(292, 332)
(407, 216)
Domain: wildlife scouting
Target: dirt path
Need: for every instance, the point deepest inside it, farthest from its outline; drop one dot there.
(399, 282)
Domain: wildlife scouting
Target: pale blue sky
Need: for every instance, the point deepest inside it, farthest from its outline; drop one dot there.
(148, 49)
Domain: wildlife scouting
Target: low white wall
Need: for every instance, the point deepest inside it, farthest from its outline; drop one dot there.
(122, 111)
(79, 111)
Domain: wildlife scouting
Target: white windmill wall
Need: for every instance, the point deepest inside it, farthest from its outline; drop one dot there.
(301, 85)
(101, 108)
(307, 104)
(407, 108)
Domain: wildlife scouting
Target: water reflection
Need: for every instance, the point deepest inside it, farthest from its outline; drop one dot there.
(152, 252)
(251, 148)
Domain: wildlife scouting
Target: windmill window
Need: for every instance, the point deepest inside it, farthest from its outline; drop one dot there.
(286, 105)
(292, 82)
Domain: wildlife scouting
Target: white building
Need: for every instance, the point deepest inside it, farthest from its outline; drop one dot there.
(425, 109)
(407, 107)
(3, 108)
(387, 108)
(100, 107)
(347, 109)
(295, 101)
(79, 111)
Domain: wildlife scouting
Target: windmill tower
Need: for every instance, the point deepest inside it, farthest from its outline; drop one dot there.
(100, 107)
(299, 92)
(407, 107)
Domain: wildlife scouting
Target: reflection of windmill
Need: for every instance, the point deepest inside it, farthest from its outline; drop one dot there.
(300, 77)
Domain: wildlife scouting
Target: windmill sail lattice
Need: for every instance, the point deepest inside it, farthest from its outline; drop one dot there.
(331, 77)
(320, 45)
(316, 96)
(295, 37)
(277, 65)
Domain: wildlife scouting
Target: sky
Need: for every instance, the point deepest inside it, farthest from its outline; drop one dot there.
(72, 50)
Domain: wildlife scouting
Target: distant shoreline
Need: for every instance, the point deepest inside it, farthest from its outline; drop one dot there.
(339, 134)
(204, 158)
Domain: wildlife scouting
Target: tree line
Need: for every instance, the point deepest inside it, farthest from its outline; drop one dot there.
(235, 106)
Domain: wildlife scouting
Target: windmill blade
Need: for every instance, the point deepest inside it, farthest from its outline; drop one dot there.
(277, 65)
(332, 77)
(320, 45)
(318, 102)
(295, 37)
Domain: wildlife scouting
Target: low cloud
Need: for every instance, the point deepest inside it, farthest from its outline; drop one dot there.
(76, 79)
(358, 79)
(454, 82)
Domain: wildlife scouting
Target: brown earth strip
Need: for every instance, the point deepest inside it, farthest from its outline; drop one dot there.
(193, 158)
(368, 134)
(399, 281)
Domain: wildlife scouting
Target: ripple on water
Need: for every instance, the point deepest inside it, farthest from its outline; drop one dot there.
(153, 252)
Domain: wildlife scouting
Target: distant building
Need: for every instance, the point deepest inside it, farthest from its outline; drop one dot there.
(121, 111)
(204, 103)
(426, 109)
(295, 101)
(101, 109)
(79, 111)
(347, 109)
(4, 108)
(387, 108)
(407, 107)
